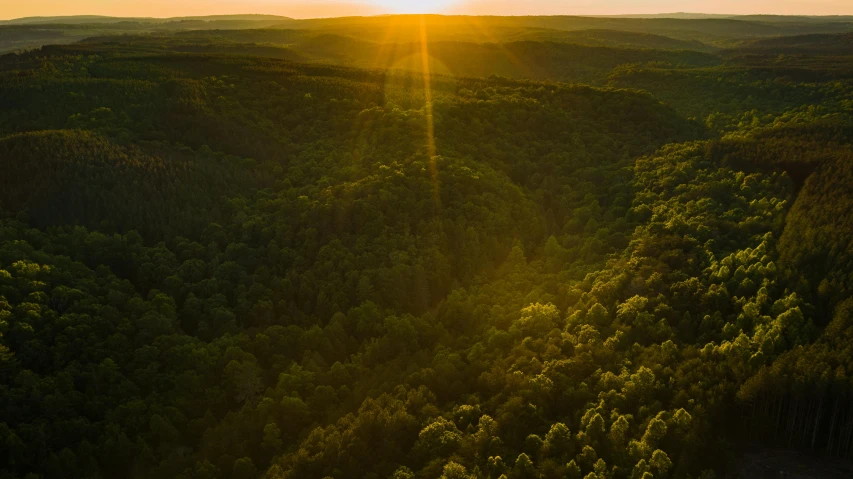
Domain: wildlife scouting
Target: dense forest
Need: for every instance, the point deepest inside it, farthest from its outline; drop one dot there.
(410, 247)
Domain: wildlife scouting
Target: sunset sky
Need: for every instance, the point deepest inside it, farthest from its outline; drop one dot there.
(323, 8)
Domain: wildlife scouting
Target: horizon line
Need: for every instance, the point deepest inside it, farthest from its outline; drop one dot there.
(615, 15)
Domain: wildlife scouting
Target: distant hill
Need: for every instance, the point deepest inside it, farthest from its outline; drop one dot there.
(680, 15)
(33, 32)
(664, 32)
(613, 38)
(827, 44)
(525, 59)
(91, 19)
(756, 18)
(797, 18)
(70, 20)
(719, 31)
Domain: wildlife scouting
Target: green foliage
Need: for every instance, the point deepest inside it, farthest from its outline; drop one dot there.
(222, 258)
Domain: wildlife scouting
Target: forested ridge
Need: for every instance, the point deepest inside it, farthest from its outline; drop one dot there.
(287, 251)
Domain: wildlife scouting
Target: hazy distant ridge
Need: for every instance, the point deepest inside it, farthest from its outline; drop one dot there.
(93, 19)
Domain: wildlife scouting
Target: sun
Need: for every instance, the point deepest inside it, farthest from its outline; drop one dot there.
(414, 6)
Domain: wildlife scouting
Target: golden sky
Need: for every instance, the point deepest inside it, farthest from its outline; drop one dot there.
(331, 8)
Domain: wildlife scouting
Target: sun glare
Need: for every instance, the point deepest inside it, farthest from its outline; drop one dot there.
(414, 6)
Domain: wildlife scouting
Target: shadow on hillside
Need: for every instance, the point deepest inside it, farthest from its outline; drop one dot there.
(762, 463)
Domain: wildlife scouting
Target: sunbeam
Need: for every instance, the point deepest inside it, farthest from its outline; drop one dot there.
(430, 125)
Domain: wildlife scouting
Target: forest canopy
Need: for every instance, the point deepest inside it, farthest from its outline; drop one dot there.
(432, 248)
